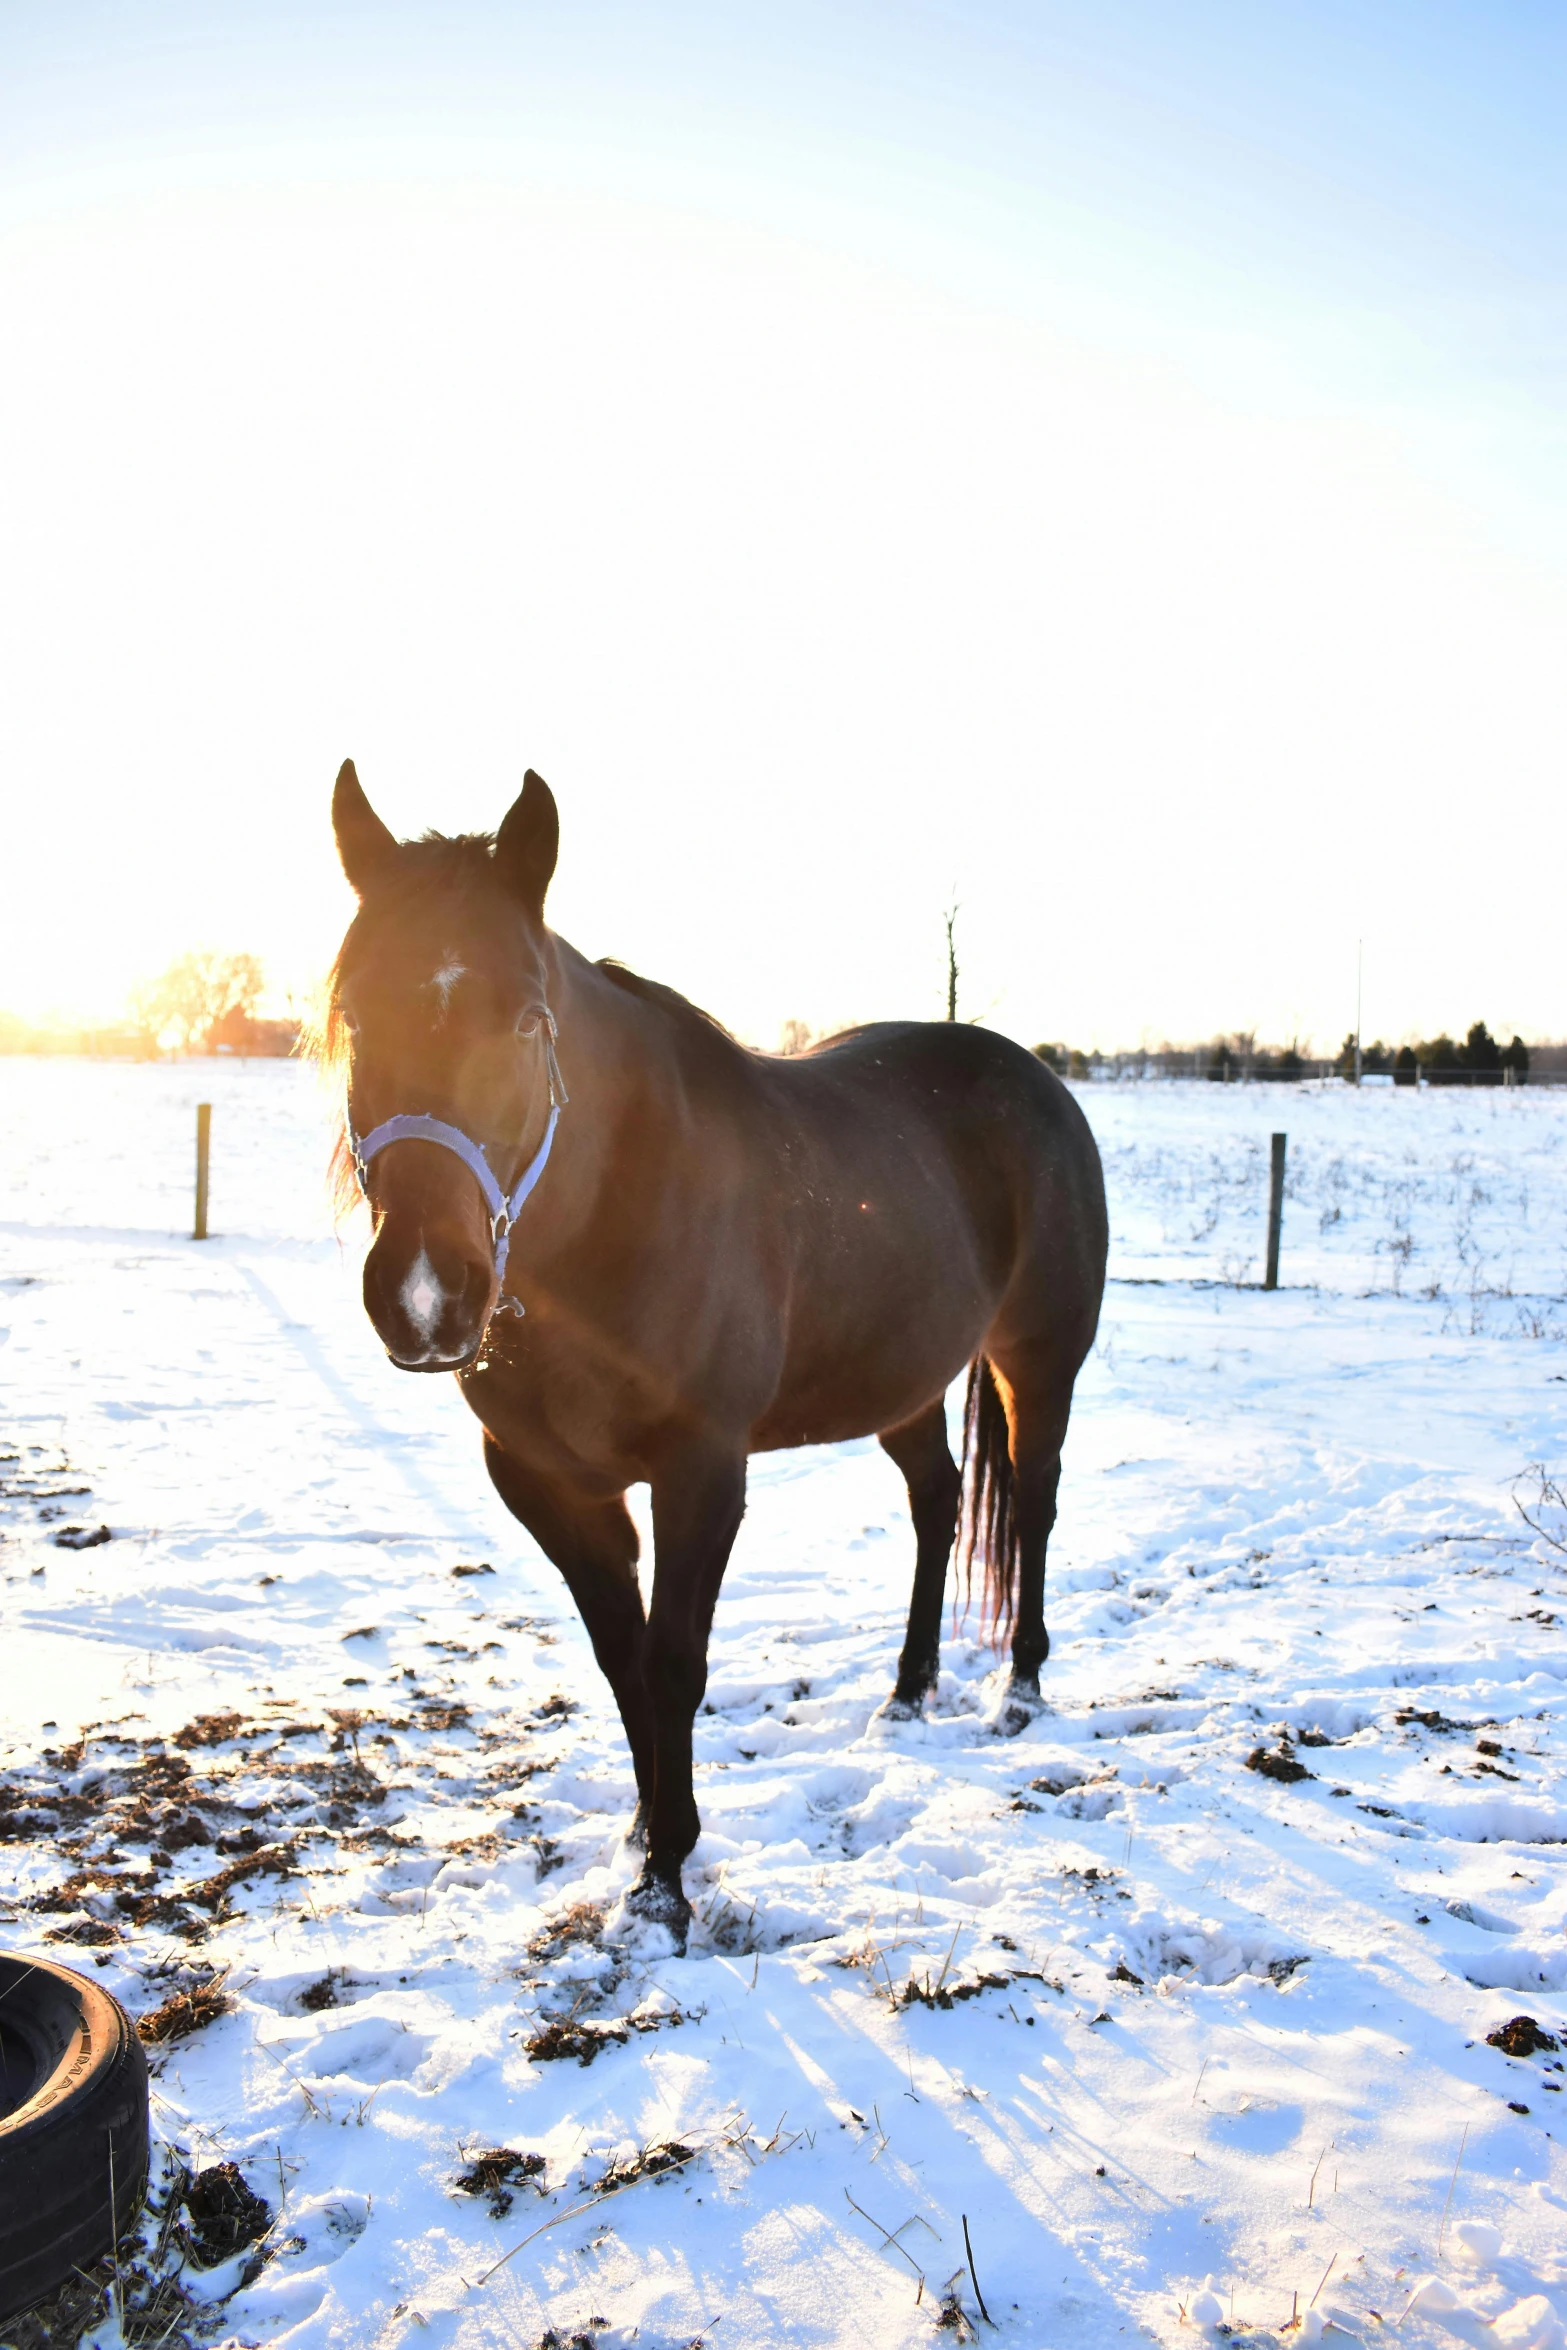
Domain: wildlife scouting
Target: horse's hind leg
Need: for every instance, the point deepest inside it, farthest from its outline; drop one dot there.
(920, 1449)
(594, 1545)
(1040, 1393)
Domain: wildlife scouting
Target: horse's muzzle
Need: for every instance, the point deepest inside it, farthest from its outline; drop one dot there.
(429, 1307)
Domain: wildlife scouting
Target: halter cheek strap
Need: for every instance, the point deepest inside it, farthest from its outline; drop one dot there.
(504, 1207)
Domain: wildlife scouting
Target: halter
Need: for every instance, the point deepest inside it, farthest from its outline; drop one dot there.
(504, 1207)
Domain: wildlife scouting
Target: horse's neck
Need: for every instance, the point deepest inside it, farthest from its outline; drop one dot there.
(641, 1073)
(615, 1053)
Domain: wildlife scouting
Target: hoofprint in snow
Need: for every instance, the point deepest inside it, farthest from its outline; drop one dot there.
(1188, 2042)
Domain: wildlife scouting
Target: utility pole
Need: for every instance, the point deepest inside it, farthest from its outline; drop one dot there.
(951, 920)
(1360, 957)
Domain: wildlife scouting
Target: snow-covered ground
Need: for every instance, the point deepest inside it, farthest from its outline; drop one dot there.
(1187, 2044)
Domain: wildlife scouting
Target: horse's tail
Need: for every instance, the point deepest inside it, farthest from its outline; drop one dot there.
(987, 1523)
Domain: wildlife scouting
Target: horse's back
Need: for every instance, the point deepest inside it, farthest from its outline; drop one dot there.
(992, 1109)
(942, 1181)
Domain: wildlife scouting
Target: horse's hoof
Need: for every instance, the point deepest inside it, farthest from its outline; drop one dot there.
(899, 1709)
(654, 1907)
(1021, 1706)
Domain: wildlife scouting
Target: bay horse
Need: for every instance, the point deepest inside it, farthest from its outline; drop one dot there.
(710, 1252)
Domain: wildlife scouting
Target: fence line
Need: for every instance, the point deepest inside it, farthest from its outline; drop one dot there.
(1130, 1069)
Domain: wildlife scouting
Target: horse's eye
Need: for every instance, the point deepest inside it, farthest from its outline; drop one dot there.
(350, 1024)
(528, 1022)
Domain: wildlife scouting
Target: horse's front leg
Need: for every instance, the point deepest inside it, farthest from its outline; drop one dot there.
(594, 1544)
(698, 1502)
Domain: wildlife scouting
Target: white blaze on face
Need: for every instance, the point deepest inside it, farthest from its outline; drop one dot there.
(423, 1296)
(444, 980)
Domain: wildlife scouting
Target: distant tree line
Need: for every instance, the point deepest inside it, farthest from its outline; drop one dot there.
(1481, 1058)
(1226, 1058)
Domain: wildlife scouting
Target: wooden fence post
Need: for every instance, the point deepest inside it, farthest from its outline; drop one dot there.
(203, 1164)
(1275, 1211)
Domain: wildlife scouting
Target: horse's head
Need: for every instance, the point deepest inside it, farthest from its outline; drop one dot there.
(439, 1005)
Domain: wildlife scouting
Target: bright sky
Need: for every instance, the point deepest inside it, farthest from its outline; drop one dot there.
(1103, 459)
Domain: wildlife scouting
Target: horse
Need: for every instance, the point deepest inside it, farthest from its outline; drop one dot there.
(700, 1253)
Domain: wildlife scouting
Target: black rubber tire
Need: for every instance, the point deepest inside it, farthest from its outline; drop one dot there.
(73, 2102)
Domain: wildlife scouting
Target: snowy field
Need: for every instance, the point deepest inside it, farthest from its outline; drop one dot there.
(1189, 2044)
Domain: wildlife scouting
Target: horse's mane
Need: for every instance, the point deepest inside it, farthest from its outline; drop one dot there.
(323, 1038)
(686, 1014)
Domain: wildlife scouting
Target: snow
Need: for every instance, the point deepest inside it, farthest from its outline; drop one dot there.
(1287, 1532)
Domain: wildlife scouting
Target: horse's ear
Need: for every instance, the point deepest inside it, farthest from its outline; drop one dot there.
(528, 842)
(363, 842)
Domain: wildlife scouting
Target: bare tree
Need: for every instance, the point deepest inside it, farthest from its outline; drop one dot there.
(950, 918)
(797, 1037)
(199, 994)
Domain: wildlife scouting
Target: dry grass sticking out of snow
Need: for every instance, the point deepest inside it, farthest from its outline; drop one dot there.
(1183, 2003)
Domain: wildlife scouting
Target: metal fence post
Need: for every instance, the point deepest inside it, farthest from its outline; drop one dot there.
(1275, 1211)
(203, 1164)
